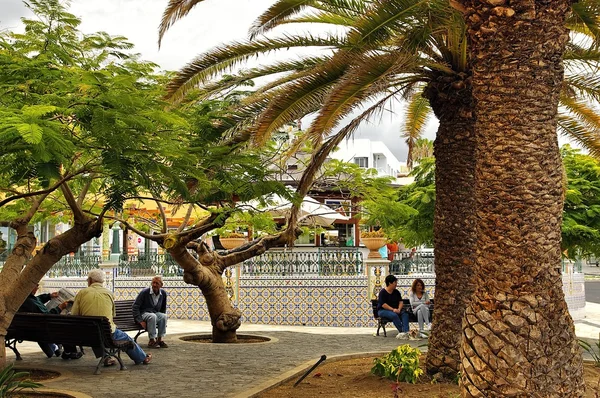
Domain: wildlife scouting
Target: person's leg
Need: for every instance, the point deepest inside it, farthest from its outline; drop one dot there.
(421, 310)
(392, 316)
(48, 349)
(404, 316)
(161, 322)
(136, 353)
(150, 320)
(70, 352)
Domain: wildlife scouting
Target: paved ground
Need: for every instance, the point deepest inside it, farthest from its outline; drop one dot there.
(211, 370)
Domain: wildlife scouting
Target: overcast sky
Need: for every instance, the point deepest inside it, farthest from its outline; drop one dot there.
(211, 23)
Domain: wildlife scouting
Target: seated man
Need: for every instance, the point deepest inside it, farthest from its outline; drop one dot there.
(389, 306)
(150, 311)
(95, 300)
(36, 304)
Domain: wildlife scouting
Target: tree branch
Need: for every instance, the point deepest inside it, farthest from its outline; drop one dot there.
(78, 215)
(186, 219)
(162, 215)
(42, 192)
(85, 190)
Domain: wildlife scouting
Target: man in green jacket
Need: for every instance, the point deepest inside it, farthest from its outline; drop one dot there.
(36, 304)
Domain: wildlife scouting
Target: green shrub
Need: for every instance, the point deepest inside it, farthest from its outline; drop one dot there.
(12, 381)
(402, 364)
(590, 350)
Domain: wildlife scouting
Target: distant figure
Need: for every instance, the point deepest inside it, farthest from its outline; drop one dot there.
(390, 305)
(419, 301)
(95, 300)
(150, 311)
(36, 304)
(392, 248)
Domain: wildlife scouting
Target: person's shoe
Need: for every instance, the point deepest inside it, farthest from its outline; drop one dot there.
(423, 336)
(162, 344)
(152, 343)
(110, 362)
(427, 326)
(71, 355)
(402, 336)
(147, 360)
(58, 352)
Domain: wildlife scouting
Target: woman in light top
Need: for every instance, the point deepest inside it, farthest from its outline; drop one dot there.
(419, 301)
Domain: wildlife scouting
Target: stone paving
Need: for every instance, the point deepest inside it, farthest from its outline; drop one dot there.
(187, 369)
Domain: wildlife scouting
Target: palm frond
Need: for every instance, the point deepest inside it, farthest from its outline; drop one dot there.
(222, 59)
(583, 85)
(585, 18)
(384, 19)
(418, 113)
(572, 128)
(295, 100)
(278, 12)
(370, 77)
(244, 77)
(176, 9)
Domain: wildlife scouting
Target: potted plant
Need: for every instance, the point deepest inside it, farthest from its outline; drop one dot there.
(231, 240)
(373, 241)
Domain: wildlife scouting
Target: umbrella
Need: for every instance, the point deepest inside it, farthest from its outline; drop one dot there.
(312, 212)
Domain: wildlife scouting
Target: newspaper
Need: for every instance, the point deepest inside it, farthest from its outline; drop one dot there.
(63, 295)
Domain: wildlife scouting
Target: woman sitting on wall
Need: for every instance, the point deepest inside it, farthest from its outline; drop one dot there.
(419, 301)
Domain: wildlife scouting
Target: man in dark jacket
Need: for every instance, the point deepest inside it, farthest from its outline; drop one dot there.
(150, 311)
(36, 304)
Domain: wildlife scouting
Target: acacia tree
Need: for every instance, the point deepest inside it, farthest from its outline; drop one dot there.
(79, 122)
(518, 337)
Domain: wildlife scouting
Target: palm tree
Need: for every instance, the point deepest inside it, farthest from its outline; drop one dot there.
(392, 49)
(519, 339)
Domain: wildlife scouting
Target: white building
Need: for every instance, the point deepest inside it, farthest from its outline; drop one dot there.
(373, 154)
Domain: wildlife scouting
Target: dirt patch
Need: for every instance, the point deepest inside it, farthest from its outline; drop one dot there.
(352, 379)
(241, 339)
(38, 375)
(41, 395)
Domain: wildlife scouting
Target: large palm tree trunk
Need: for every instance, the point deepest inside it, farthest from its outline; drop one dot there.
(518, 337)
(454, 227)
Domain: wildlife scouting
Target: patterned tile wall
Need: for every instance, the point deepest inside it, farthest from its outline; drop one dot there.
(309, 300)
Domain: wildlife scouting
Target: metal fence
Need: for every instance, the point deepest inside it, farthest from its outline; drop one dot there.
(405, 262)
(148, 264)
(325, 262)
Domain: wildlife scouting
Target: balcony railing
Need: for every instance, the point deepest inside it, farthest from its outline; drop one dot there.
(324, 262)
(148, 264)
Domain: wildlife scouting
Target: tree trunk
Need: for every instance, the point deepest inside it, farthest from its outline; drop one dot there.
(518, 337)
(21, 273)
(454, 220)
(224, 318)
(207, 274)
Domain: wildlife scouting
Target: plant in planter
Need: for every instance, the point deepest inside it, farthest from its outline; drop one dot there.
(231, 240)
(12, 382)
(373, 240)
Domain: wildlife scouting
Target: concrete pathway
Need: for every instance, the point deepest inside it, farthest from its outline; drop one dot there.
(187, 369)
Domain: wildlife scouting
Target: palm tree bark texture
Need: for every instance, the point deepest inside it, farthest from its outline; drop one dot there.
(518, 338)
(454, 226)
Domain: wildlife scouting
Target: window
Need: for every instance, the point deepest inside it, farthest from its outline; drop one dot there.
(292, 167)
(362, 162)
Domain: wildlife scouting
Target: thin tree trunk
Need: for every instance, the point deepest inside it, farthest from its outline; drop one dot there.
(454, 220)
(518, 337)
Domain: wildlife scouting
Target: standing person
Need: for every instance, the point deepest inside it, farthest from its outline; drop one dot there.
(150, 311)
(36, 304)
(95, 300)
(419, 301)
(390, 305)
